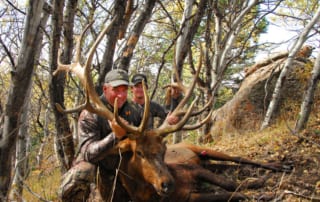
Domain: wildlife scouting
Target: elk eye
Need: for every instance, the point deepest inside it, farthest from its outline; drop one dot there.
(139, 153)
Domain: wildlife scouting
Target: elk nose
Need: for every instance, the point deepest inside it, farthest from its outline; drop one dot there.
(167, 187)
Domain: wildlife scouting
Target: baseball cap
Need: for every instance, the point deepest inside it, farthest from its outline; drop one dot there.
(117, 77)
(137, 78)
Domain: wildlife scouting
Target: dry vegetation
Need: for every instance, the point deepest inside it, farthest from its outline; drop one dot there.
(279, 143)
(303, 184)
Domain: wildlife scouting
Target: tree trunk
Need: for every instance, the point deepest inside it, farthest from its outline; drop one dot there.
(222, 46)
(22, 159)
(309, 96)
(127, 52)
(277, 90)
(64, 142)
(21, 164)
(21, 80)
(186, 23)
(188, 30)
(44, 141)
(112, 38)
(68, 25)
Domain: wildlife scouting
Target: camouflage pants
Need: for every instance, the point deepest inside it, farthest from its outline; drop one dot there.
(75, 186)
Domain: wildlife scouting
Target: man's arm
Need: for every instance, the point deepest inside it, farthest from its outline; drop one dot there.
(93, 144)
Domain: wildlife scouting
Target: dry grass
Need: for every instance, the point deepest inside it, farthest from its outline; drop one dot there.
(279, 144)
(44, 184)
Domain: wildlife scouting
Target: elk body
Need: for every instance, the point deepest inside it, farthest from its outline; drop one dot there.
(192, 165)
(189, 165)
(149, 171)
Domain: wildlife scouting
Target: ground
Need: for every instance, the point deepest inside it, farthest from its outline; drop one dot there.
(273, 144)
(301, 151)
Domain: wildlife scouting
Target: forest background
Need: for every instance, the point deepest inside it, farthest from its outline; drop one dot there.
(149, 36)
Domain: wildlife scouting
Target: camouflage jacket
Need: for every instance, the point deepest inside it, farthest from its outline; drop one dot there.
(96, 137)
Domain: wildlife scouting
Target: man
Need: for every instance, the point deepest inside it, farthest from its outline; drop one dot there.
(156, 110)
(98, 135)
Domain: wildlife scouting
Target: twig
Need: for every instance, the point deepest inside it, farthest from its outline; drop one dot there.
(280, 183)
(286, 192)
(116, 176)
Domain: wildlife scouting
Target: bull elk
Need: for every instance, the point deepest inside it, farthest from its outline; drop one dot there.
(149, 170)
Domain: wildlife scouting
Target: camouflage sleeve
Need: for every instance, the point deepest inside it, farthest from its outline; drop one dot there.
(93, 145)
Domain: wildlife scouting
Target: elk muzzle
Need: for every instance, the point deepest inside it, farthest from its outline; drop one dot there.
(167, 188)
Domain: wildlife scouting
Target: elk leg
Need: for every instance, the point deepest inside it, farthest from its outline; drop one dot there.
(229, 185)
(254, 184)
(206, 153)
(206, 175)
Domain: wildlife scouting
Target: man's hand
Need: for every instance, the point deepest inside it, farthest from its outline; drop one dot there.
(172, 119)
(117, 130)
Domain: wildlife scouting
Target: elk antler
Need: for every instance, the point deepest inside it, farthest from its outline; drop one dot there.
(93, 103)
(166, 128)
(130, 128)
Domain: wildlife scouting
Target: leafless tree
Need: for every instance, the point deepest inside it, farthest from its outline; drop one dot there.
(309, 96)
(21, 82)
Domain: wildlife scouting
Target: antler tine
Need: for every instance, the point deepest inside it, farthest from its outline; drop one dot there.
(133, 131)
(79, 39)
(61, 67)
(145, 118)
(208, 104)
(86, 105)
(83, 73)
(176, 85)
(199, 124)
(72, 66)
(166, 128)
(87, 68)
(73, 110)
(191, 87)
